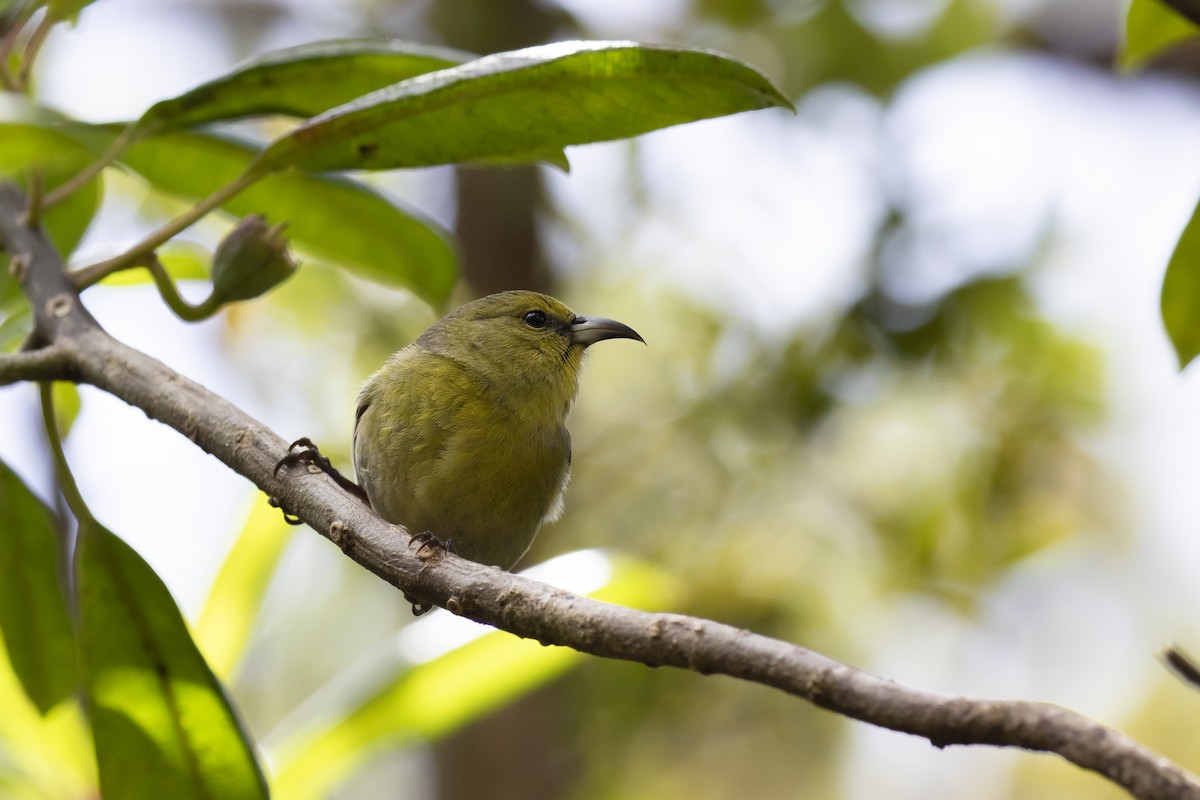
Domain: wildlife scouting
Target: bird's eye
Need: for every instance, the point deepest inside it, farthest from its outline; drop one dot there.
(535, 319)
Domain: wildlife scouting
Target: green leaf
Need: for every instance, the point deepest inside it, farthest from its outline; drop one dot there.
(426, 702)
(26, 148)
(33, 610)
(1181, 293)
(334, 219)
(436, 698)
(1150, 29)
(15, 325)
(162, 723)
(67, 9)
(300, 81)
(48, 756)
(232, 609)
(518, 106)
(15, 319)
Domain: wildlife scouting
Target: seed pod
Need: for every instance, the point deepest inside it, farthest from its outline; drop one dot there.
(250, 261)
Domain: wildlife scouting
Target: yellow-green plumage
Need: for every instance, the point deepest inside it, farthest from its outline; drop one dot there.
(463, 433)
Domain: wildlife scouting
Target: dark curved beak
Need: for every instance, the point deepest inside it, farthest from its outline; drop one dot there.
(589, 330)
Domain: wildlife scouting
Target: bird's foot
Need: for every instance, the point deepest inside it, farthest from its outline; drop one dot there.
(427, 544)
(418, 608)
(288, 517)
(303, 451)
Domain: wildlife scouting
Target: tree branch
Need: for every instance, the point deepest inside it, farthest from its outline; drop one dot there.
(50, 363)
(534, 610)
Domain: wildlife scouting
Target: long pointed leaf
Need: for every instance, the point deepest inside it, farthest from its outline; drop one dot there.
(162, 723)
(49, 756)
(235, 600)
(523, 104)
(1152, 28)
(441, 695)
(56, 156)
(426, 702)
(1181, 293)
(334, 219)
(301, 81)
(33, 609)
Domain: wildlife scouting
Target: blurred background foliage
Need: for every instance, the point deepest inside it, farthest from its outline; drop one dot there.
(864, 478)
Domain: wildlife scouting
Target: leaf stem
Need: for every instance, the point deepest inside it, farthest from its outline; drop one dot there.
(93, 169)
(93, 273)
(33, 200)
(62, 470)
(170, 293)
(32, 48)
(9, 41)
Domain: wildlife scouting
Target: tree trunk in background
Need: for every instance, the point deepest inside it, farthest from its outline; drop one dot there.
(517, 753)
(513, 754)
(497, 208)
(497, 228)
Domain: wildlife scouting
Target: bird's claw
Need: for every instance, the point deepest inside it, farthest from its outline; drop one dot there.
(288, 517)
(304, 451)
(419, 608)
(427, 544)
(426, 539)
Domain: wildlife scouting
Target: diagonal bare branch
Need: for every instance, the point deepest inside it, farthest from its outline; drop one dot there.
(534, 610)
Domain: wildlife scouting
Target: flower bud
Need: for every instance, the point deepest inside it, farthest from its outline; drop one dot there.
(250, 261)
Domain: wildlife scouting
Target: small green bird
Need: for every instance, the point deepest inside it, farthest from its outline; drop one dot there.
(462, 434)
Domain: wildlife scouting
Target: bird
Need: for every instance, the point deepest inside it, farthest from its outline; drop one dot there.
(461, 436)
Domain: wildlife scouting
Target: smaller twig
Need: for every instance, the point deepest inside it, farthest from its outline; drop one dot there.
(20, 17)
(43, 364)
(1182, 665)
(32, 48)
(33, 201)
(66, 481)
(93, 169)
(94, 273)
(86, 276)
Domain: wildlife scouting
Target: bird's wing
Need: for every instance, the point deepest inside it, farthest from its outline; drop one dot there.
(409, 407)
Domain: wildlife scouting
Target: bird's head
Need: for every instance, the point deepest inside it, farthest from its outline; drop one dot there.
(523, 339)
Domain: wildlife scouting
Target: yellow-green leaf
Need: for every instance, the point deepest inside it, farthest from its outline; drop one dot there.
(1181, 293)
(441, 695)
(521, 105)
(162, 723)
(300, 81)
(33, 611)
(15, 319)
(235, 599)
(1151, 28)
(26, 148)
(68, 9)
(334, 219)
(67, 405)
(48, 756)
